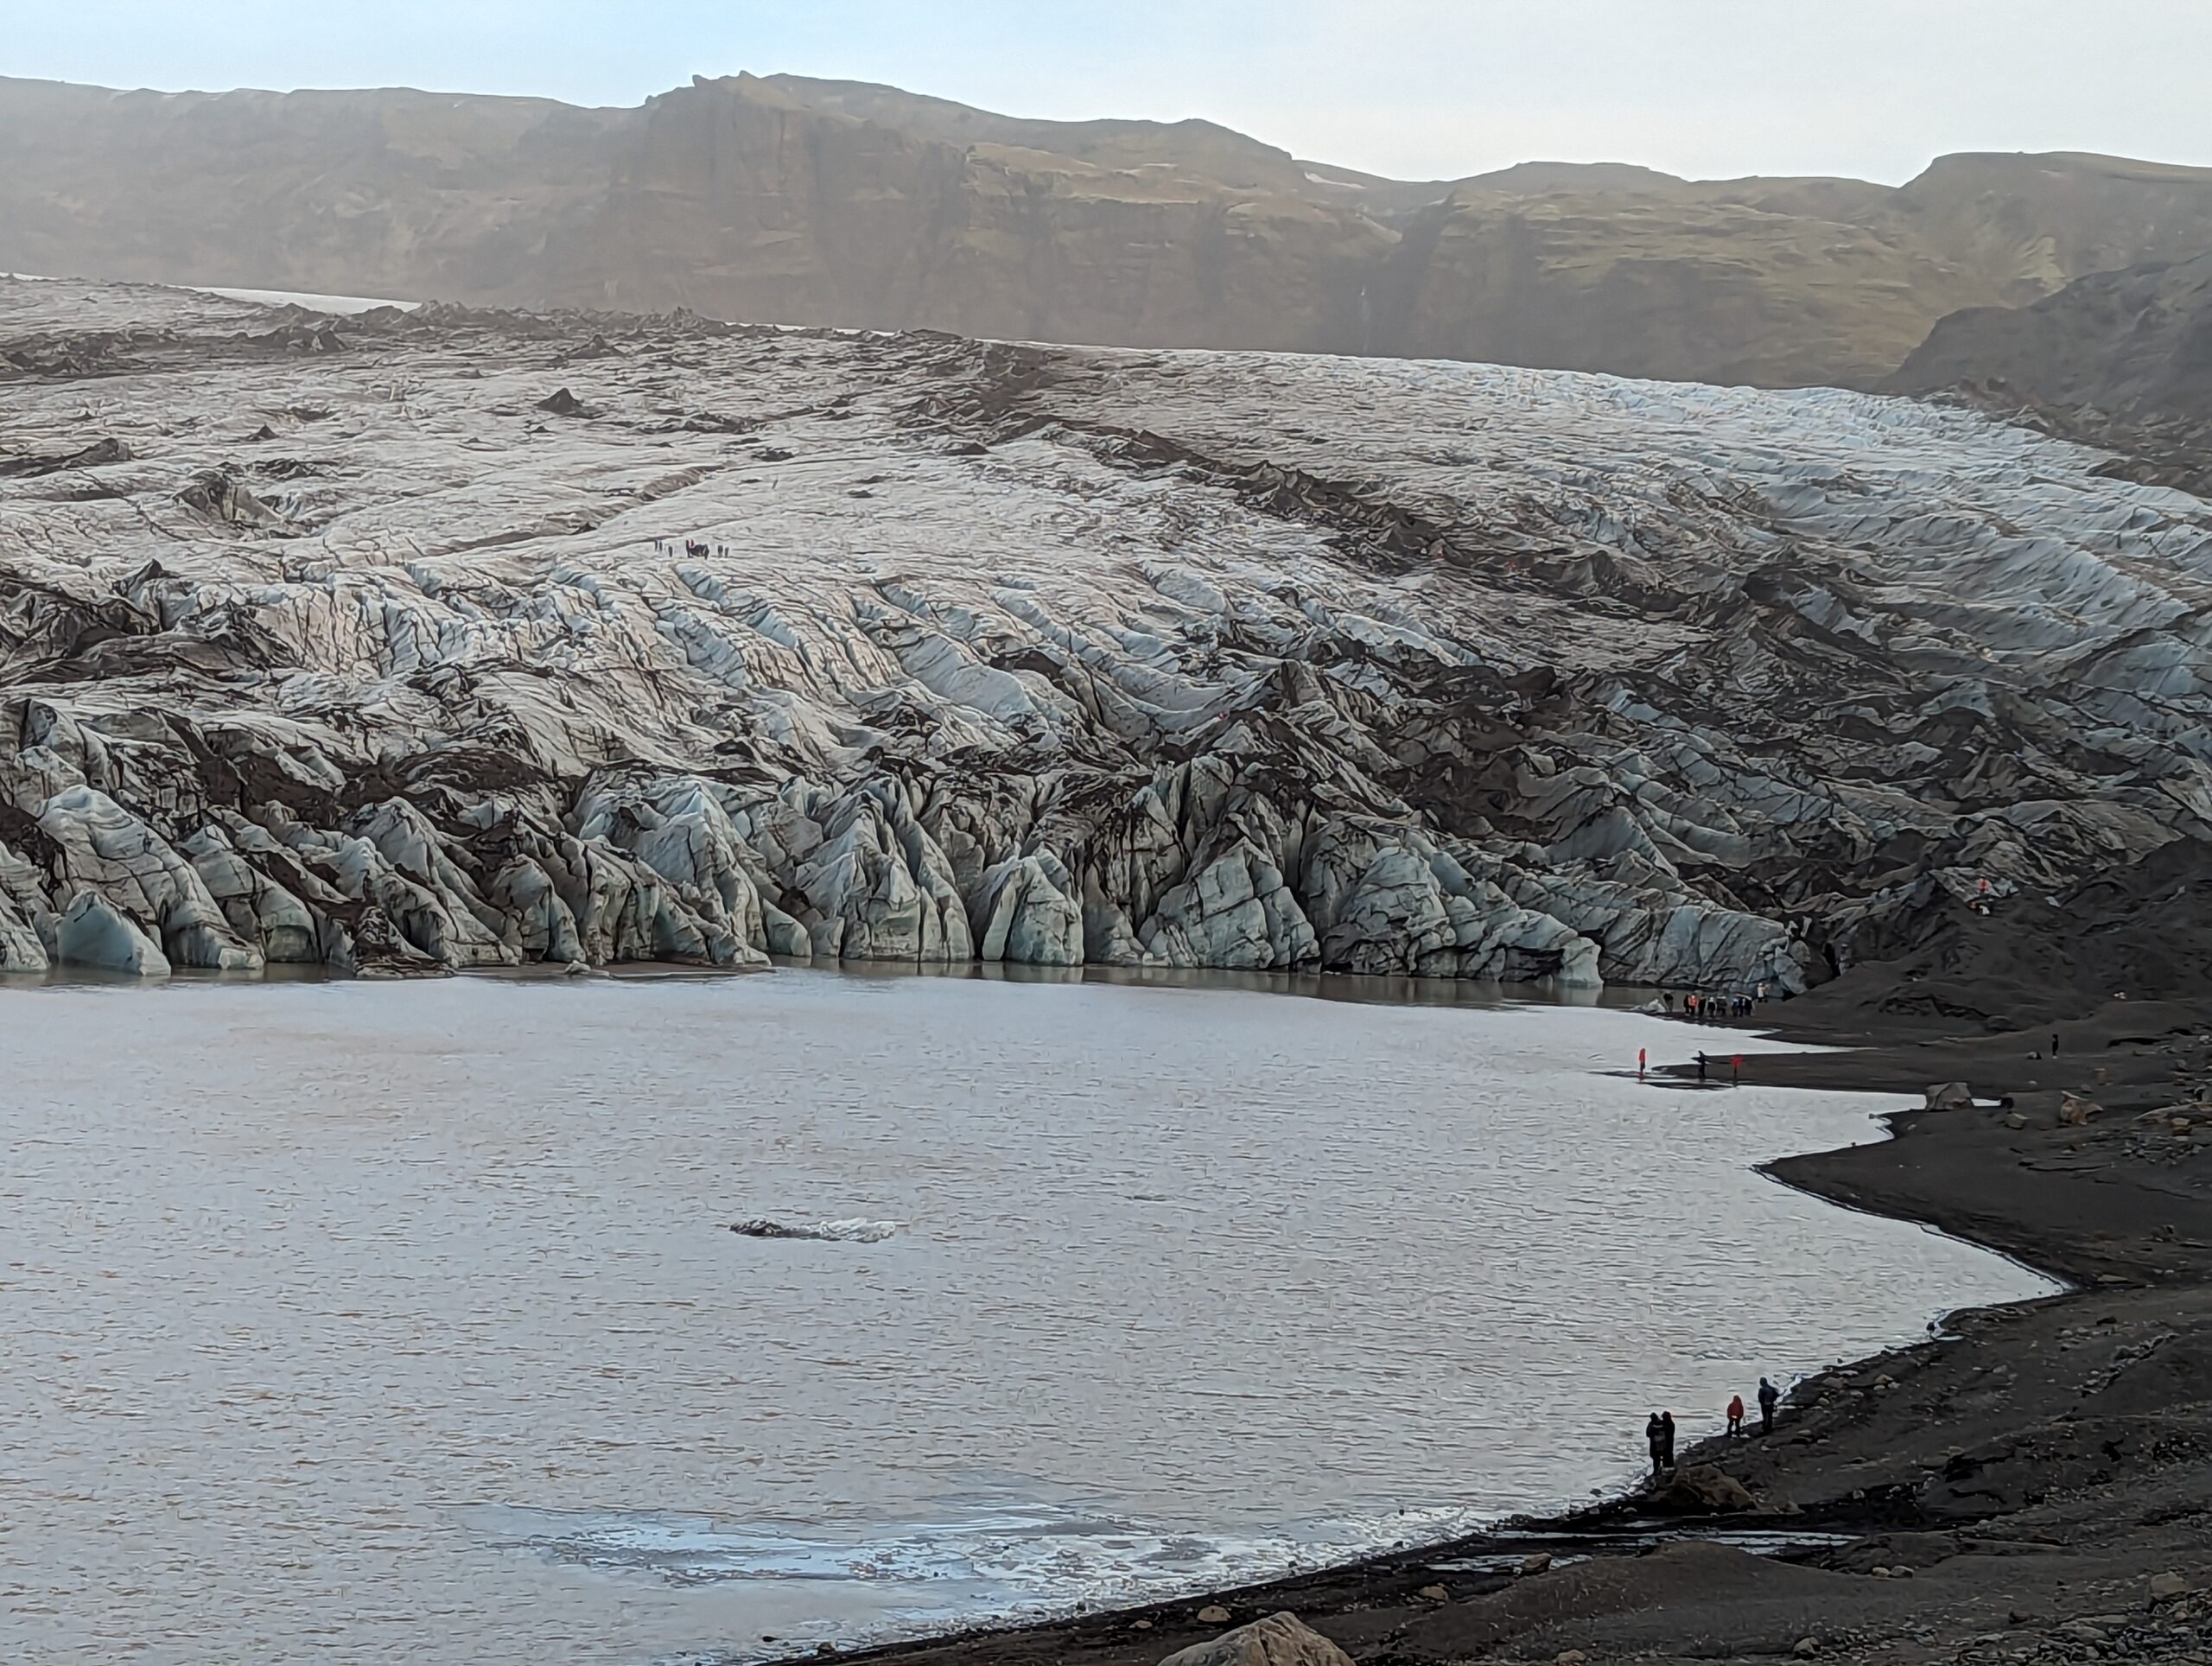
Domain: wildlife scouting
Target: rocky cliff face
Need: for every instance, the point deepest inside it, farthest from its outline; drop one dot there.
(413, 643)
(2119, 360)
(1665, 285)
(797, 202)
(2136, 343)
(736, 200)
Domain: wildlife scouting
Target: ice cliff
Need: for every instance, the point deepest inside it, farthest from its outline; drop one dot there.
(411, 643)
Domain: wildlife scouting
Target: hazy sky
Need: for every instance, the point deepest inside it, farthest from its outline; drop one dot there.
(1417, 88)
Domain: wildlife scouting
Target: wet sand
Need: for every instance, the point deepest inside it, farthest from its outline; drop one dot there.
(2034, 1484)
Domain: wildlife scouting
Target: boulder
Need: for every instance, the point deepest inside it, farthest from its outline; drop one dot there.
(1278, 1640)
(1950, 1095)
(1697, 1490)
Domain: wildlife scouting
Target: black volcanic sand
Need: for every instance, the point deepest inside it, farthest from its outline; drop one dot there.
(2035, 1485)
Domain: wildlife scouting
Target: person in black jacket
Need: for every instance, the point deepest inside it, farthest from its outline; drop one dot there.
(1770, 1397)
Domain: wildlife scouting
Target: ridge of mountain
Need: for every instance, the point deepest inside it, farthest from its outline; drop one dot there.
(787, 199)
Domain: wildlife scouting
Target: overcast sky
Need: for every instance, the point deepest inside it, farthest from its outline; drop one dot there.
(1415, 88)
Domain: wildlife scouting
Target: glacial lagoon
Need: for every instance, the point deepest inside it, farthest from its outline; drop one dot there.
(354, 1320)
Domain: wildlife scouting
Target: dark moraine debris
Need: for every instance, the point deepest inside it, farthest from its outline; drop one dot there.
(95, 455)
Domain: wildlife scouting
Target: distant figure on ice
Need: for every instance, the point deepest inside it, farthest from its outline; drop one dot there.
(1654, 1436)
(1642, 1055)
(1736, 1070)
(1736, 1417)
(1701, 1067)
(1770, 1397)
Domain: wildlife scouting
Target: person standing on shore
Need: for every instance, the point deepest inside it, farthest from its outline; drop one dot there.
(1736, 1417)
(1770, 1397)
(1667, 1437)
(1654, 1436)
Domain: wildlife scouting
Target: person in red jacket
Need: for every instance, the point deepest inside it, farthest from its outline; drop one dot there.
(1736, 1417)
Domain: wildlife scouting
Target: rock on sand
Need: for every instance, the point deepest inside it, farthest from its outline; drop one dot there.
(1278, 1640)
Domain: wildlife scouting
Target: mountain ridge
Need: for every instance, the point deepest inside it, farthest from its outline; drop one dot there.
(786, 199)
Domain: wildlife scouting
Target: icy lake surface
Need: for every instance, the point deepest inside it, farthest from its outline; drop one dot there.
(367, 1322)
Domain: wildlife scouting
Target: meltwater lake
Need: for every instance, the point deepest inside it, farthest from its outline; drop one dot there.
(360, 1321)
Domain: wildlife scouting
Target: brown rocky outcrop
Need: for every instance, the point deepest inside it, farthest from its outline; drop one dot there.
(1278, 1640)
(2134, 344)
(789, 200)
(1697, 1490)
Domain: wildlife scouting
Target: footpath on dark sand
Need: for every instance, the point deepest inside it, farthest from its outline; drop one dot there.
(2035, 1485)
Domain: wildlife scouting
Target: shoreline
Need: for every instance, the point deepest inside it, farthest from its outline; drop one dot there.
(1964, 1470)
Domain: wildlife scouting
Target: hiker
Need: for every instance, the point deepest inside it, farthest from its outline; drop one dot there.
(1735, 1070)
(1640, 1058)
(1654, 1436)
(2054, 1044)
(1700, 1067)
(1736, 1417)
(1689, 1007)
(1667, 1437)
(1770, 1396)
